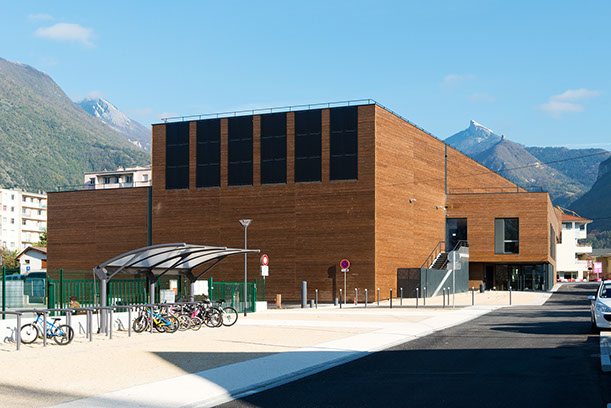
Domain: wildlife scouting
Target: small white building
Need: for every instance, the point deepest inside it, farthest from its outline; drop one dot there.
(32, 259)
(568, 264)
(23, 218)
(120, 178)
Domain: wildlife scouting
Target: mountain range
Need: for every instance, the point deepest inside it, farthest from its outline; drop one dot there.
(565, 173)
(46, 140)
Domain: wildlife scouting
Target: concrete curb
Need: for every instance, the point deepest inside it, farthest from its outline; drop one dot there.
(605, 351)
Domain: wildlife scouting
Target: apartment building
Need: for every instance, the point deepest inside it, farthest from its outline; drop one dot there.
(570, 250)
(321, 183)
(120, 178)
(23, 218)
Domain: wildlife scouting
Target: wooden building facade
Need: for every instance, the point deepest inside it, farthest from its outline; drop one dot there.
(355, 182)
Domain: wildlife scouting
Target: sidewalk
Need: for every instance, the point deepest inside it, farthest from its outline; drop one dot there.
(213, 365)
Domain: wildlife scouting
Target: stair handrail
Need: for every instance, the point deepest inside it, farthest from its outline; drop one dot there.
(461, 243)
(439, 248)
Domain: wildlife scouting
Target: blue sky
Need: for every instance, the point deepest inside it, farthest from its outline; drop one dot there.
(537, 72)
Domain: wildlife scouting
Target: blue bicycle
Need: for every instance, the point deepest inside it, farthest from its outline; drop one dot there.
(62, 334)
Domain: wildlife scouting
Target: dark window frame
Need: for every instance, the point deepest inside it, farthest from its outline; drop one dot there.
(273, 148)
(501, 241)
(177, 156)
(308, 146)
(240, 157)
(343, 141)
(208, 154)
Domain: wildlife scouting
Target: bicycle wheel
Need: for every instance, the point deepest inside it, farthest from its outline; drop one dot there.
(230, 316)
(196, 323)
(63, 334)
(212, 318)
(29, 333)
(172, 324)
(140, 324)
(184, 322)
(159, 325)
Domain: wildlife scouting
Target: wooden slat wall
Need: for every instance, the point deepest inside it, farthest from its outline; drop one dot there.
(305, 228)
(86, 228)
(409, 165)
(534, 211)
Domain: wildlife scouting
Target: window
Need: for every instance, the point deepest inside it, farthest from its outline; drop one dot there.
(39, 212)
(239, 151)
(31, 199)
(208, 153)
(4, 208)
(273, 148)
(146, 177)
(23, 210)
(506, 235)
(106, 180)
(582, 227)
(13, 197)
(23, 222)
(91, 181)
(40, 200)
(552, 242)
(12, 245)
(12, 220)
(12, 209)
(25, 199)
(177, 156)
(129, 179)
(566, 225)
(308, 131)
(27, 261)
(344, 143)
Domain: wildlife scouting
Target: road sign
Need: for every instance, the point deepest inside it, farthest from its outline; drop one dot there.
(27, 268)
(264, 270)
(344, 264)
(455, 259)
(264, 260)
(598, 267)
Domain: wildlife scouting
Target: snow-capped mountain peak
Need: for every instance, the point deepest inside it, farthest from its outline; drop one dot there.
(113, 117)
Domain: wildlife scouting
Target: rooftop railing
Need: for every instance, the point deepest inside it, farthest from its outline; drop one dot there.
(102, 186)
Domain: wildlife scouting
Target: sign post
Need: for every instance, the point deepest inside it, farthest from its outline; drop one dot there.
(264, 266)
(345, 265)
(455, 265)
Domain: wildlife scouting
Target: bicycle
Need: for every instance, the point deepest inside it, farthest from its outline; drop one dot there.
(62, 334)
(161, 322)
(229, 316)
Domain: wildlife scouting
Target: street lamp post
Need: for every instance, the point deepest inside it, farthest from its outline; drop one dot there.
(245, 223)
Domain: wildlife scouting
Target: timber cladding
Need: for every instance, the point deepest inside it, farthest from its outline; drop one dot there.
(305, 228)
(391, 217)
(535, 214)
(86, 228)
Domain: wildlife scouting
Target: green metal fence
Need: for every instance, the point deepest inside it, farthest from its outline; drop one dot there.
(87, 292)
(233, 294)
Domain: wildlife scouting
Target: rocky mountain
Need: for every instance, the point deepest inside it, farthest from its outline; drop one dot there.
(596, 203)
(578, 164)
(46, 140)
(514, 162)
(475, 139)
(565, 173)
(113, 117)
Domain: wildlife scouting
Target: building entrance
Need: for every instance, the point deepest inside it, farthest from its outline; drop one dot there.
(519, 277)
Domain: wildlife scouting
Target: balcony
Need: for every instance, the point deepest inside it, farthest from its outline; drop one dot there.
(583, 249)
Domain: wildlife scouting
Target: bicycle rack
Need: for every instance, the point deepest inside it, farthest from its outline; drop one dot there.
(17, 328)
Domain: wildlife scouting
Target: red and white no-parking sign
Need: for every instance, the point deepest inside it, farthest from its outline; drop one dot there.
(344, 264)
(264, 260)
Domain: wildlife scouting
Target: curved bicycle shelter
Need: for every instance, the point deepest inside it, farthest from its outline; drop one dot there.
(160, 260)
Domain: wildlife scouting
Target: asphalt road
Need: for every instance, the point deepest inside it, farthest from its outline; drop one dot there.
(538, 356)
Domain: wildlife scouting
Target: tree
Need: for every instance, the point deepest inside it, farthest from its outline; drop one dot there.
(42, 241)
(8, 258)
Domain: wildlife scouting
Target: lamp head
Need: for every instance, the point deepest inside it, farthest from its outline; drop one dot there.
(245, 222)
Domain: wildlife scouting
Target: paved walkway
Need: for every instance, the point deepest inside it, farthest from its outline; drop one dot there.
(210, 366)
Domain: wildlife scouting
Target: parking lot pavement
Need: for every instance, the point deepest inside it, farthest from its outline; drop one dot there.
(287, 343)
